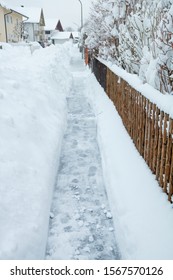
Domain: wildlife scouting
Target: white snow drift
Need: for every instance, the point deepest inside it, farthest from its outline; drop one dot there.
(33, 89)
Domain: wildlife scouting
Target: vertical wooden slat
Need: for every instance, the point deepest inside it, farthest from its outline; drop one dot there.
(168, 155)
(146, 131)
(170, 193)
(149, 133)
(108, 83)
(136, 121)
(119, 94)
(143, 123)
(111, 85)
(156, 140)
(114, 88)
(130, 111)
(140, 122)
(152, 122)
(159, 147)
(163, 151)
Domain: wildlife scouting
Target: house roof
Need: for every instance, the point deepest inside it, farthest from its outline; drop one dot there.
(61, 35)
(51, 23)
(13, 8)
(75, 34)
(59, 26)
(33, 13)
(42, 20)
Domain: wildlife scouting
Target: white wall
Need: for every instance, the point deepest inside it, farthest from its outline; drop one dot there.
(32, 29)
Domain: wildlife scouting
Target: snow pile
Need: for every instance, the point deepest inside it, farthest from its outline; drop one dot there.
(142, 215)
(32, 121)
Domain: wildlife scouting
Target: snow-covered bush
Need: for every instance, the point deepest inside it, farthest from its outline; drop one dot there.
(136, 35)
(164, 45)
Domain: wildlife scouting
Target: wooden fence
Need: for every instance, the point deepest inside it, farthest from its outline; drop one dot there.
(150, 128)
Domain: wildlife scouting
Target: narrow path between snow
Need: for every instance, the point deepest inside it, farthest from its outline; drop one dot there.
(81, 225)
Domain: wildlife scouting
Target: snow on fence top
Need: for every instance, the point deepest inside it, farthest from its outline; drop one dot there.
(163, 102)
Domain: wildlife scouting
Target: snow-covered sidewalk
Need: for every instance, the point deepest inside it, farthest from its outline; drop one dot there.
(81, 225)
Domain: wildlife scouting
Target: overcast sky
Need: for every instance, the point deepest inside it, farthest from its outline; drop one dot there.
(68, 11)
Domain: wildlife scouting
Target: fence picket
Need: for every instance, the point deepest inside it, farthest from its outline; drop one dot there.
(163, 151)
(168, 156)
(156, 140)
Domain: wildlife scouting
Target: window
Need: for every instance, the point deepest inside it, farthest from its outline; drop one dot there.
(11, 19)
(7, 18)
(36, 27)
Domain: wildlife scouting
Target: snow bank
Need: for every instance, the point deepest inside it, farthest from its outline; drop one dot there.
(163, 102)
(142, 215)
(33, 88)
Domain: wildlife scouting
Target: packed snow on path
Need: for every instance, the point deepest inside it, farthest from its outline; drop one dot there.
(33, 88)
(81, 224)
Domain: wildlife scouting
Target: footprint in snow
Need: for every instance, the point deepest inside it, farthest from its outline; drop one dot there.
(92, 171)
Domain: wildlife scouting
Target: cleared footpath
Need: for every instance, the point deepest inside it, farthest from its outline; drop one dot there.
(81, 225)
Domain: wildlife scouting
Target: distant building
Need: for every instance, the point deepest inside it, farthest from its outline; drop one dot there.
(50, 27)
(34, 25)
(58, 37)
(11, 23)
(56, 34)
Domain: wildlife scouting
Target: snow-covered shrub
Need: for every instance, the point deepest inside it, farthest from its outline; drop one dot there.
(164, 45)
(136, 35)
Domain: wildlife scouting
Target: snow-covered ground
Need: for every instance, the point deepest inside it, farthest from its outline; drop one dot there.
(33, 90)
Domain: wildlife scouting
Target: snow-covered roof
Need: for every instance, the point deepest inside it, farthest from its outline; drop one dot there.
(51, 23)
(33, 13)
(12, 7)
(75, 34)
(61, 35)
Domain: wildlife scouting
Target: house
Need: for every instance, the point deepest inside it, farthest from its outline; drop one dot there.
(11, 21)
(58, 37)
(55, 32)
(34, 25)
(50, 27)
(76, 36)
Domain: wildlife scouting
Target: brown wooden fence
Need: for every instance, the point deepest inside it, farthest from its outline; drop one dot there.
(150, 128)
